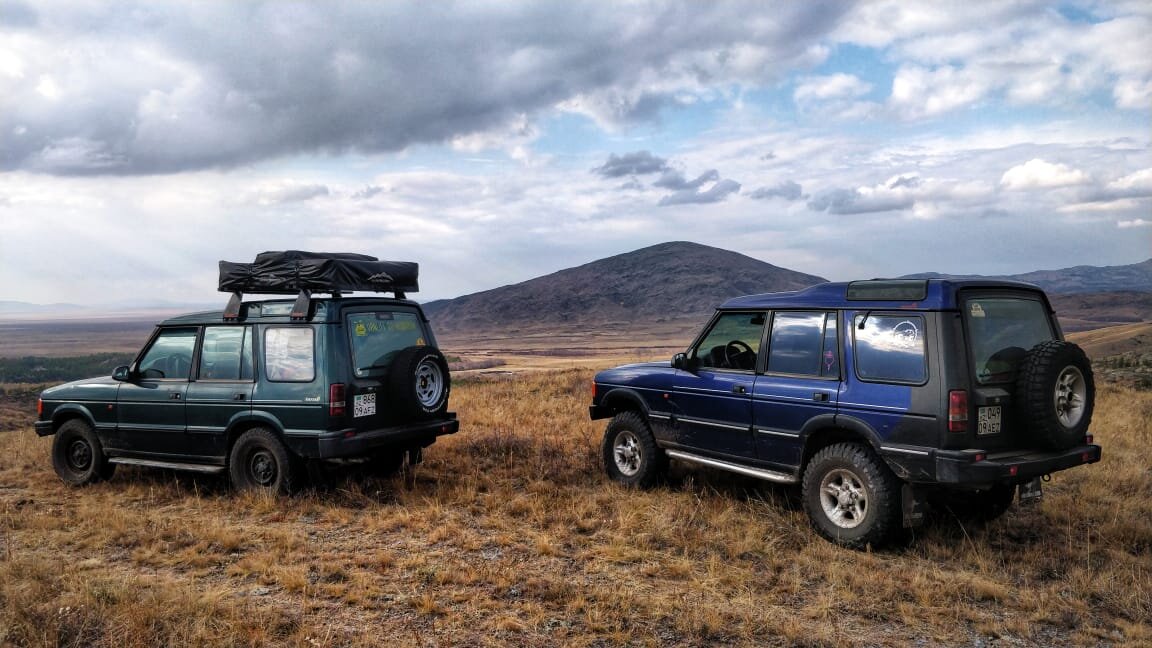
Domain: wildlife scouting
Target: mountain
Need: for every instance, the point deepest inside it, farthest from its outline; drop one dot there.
(659, 284)
(25, 308)
(1079, 279)
(1087, 311)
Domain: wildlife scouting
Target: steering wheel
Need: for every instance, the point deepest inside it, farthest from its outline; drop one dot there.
(733, 350)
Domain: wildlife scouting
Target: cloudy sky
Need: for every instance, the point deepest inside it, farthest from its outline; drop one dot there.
(493, 142)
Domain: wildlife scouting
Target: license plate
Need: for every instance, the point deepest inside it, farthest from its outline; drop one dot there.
(1031, 491)
(988, 420)
(363, 405)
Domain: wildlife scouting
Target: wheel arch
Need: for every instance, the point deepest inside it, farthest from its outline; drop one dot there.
(824, 431)
(70, 411)
(623, 399)
(241, 424)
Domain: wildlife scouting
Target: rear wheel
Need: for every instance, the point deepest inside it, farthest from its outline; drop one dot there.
(851, 496)
(1057, 394)
(259, 461)
(77, 456)
(630, 453)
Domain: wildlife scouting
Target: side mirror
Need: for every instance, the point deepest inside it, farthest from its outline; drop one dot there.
(680, 361)
(121, 373)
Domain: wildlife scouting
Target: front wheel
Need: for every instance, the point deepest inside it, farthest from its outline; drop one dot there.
(259, 461)
(630, 453)
(77, 456)
(851, 496)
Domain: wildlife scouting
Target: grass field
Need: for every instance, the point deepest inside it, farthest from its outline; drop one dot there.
(509, 534)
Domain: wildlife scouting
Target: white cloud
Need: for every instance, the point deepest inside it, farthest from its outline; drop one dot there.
(1039, 174)
(1131, 224)
(919, 92)
(836, 86)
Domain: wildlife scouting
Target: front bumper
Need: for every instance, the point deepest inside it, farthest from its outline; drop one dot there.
(966, 468)
(45, 428)
(350, 443)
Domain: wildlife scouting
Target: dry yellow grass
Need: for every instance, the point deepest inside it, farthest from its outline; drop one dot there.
(509, 534)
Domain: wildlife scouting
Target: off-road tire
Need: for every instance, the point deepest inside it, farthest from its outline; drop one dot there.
(418, 384)
(631, 456)
(260, 461)
(851, 496)
(77, 456)
(1056, 394)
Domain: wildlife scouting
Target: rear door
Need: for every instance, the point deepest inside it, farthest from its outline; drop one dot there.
(222, 389)
(1001, 326)
(376, 335)
(800, 384)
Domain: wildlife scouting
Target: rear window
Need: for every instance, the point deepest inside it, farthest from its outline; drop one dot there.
(377, 336)
(890, 348)
(1001, 330)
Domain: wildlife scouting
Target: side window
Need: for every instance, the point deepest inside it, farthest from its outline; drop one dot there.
(890, 348)
(732, 343)
(226, 353)
(797, 342)
(289, 354)
(170, 355)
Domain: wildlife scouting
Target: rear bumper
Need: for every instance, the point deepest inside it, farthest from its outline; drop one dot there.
(350, 443)
(44, 428)
(961, 468)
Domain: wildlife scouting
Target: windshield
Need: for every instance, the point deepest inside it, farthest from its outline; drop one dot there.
(1002, 329)
(377, 336)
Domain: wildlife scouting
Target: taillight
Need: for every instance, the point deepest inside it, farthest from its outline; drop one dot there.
(39, 407)
(958, 410)
(594, 385)
(336, 399)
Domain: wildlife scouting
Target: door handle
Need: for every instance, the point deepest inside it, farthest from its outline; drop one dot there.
(174, 396)
(820, 397)
(739, 389)
(238, 396)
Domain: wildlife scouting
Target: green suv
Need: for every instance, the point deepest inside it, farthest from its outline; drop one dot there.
(264, 388)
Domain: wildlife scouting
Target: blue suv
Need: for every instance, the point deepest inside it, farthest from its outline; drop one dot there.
(880, 397)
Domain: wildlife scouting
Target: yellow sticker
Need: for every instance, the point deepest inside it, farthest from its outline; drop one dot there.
(419, 341)
(360, 330)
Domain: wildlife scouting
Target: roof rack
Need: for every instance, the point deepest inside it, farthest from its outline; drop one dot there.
(295, 272)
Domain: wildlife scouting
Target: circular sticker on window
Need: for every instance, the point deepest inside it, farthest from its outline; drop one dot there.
(906, 334)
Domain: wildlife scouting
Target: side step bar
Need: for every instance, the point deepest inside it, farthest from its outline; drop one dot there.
(171, 465)
(760, 473)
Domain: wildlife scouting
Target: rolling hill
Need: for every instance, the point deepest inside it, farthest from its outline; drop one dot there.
(670, 282)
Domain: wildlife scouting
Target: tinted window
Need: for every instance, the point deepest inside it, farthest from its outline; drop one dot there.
(377, 336)
(289, 354)
(170, 355)
(890, 348)
(732, 342)
(226, 353)
(795, 346)
(1002, 330)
